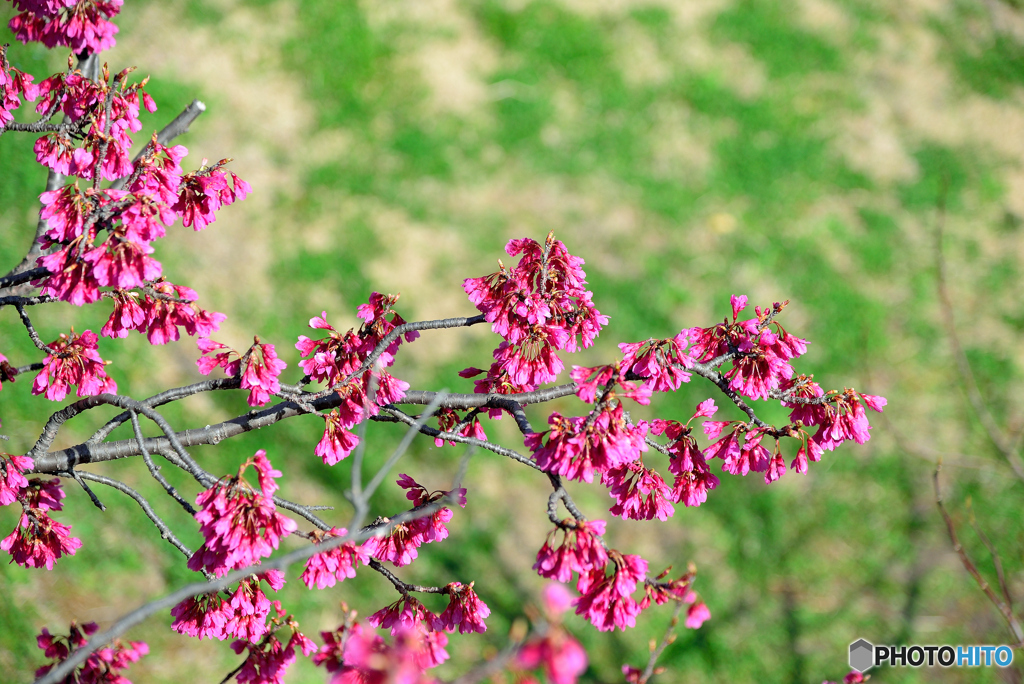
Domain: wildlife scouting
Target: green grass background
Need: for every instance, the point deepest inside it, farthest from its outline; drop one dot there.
(688, 151)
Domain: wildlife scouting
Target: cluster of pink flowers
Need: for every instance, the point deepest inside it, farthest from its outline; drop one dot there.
(661, 363)
(357, 656)
(159, 311)
(400, 545)
(104, 666)
(82, 25)
(38, 540)
(558, 652)
(14, 84)
(243, 615)
(74, 360)
(337, 358)
(448, 420)
(762, 356)
(268, 660)
(259, 367)
(693, 477)
(240, 525)
(577, 447)
(325, 569)
(581, 550)
(539, 307)
(407, 616)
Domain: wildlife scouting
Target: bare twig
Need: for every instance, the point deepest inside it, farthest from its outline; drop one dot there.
(1002, 606)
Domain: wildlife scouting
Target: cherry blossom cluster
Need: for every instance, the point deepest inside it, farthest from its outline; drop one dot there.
(14, 85)
(539, 307)
(240, 614)
(82, 25)
(338, 360)
(240, 524)
(73, 360)
(399, 546)
(104, 666)
(38, 540)
(258, 368)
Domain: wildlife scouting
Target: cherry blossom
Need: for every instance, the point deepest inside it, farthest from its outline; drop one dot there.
(39, 540)
(580, 550)
(82, 25)
(337, 564)
(465, 610)
(240, 525)
(12, 476)
(269, 660)
(14, 84)
(203, 616)
(579, 447)
(103, 665)
(448, 420)
(661, 363)
(74, 361)
(259, 367)
(640, 493)
(606, 600)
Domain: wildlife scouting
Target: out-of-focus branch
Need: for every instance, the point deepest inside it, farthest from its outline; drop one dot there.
(656, 652)
(1002, 441)
(1004, 608)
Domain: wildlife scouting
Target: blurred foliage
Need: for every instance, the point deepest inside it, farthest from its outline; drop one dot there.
(688, 151)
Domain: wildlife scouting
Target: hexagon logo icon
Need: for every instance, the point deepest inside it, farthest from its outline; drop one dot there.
(862, 655)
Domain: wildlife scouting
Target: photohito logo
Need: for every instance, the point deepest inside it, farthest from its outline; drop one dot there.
(864, 655)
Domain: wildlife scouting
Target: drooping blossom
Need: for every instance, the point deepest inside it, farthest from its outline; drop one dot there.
(606, 599)
(399, 546)
(604, 380)
(580, 550)
(465, 611)
(14, 84)
(172, 306)
(337, 442)
(12, 476)
(335, 360)
(203, 617)
(247, 610)
(259, 367)
(74, 360)
(328, 567)
(539, 307)
(205, 191)
(640, 493)
(103, 665)
(662, 363)
(761, 356)
(268, 660)
(39, 540)
(81, 25)
(358, 656)
(240, 524)
(556, 650)
(693, 477)
(578, 447)
(448, 419)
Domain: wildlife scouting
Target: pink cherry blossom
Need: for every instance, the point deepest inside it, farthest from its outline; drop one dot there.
(448, 420)
(697, 615)
(580, 550)
(260, 372)
(74, 361)
(337, 442)
(606, 600)
(240, 525)
(39, 541)
(465, 610)
(204, 616)
(578, 447)
(172, 306)
(558, 652)
(268, 661)
(640, 493)
(103, 665)
(661, 363)
(13, 84)
(337, 564)
(83, 26)
(12, 476)
(247, 610)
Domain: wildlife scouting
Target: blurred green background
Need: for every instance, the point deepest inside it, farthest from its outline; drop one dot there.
(687, 150)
